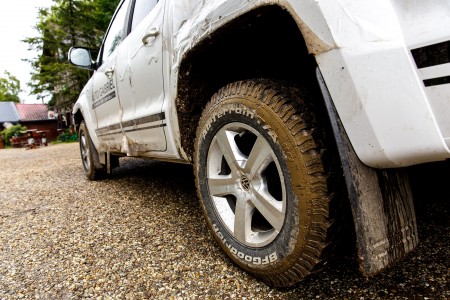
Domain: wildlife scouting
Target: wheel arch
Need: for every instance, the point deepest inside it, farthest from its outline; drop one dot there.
(78, 110)
(81, 113)
(265, 42)
(78, 117)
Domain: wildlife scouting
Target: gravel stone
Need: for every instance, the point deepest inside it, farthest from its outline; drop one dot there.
(140, 234)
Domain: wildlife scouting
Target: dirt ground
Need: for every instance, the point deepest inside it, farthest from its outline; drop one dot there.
(140, 234)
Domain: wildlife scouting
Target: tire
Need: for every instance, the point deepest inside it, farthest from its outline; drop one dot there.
(262, 181)
(89, 155)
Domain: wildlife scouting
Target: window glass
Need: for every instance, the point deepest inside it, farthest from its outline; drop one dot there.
(115, 33)
(141, 9)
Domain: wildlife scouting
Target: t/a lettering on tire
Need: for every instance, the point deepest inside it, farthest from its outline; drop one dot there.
(262, 182)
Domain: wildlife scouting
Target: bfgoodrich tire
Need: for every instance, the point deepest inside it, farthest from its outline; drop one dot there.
(261, 181)
(89, 155)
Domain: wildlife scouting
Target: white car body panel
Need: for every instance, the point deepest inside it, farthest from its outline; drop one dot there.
(363, 49)
(141, 88)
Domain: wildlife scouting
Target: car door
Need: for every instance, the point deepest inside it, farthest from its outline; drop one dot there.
(141, 78)
(106, 105)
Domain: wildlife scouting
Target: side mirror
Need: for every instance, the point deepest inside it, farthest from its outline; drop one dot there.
(81, 57)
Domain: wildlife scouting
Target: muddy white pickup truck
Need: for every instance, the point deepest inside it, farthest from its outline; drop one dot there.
(289, 110)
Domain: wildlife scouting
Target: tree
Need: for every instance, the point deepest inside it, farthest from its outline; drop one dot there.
(67, 23)
(9, 88)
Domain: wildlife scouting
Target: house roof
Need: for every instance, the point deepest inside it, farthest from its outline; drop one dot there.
(8, 112)
(32, 112)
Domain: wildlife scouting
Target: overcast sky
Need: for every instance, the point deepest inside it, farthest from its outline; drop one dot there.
(17, 19)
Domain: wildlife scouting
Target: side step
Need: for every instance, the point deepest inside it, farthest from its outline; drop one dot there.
(381, 202)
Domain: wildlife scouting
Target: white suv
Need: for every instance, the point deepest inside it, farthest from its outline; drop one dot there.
(278, 104)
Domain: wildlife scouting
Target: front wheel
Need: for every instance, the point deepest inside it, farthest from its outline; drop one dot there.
(89, 155)
(261, 181)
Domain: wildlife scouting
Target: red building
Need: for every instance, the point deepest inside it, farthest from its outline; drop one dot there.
(36, 116)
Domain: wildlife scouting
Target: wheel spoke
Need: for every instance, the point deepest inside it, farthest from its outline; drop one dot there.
(229, 149)
(84, 151)
(260, 156)
(270, 208)
(242, 220)
(222, 186)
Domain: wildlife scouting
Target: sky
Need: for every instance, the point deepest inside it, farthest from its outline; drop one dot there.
(17, 19)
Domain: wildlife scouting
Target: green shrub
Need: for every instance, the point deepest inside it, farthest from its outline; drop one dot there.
(13, 131)
(67, 137)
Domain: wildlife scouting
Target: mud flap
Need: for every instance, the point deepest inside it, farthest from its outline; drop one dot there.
(98, 158)
(381, 202)
(105, 161)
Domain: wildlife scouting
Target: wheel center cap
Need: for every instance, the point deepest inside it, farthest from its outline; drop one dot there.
(245, 183)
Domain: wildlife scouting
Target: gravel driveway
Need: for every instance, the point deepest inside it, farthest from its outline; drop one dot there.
(140, 234)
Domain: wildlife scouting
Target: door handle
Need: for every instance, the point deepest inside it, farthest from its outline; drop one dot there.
(109, 72)
(152, 33)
